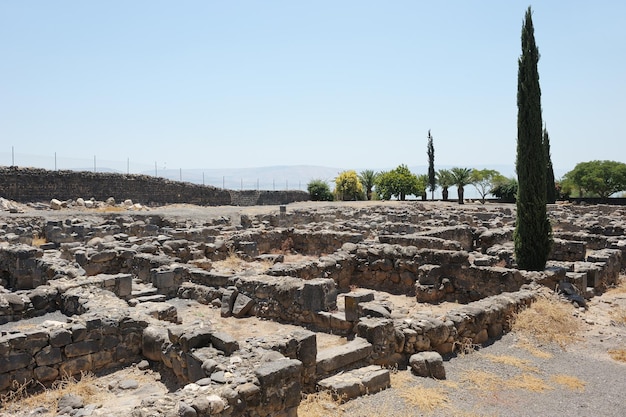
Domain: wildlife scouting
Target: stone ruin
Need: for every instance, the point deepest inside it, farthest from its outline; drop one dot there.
(90, 292)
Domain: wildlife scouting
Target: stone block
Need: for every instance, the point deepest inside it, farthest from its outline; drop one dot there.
(307, 347)
(75, 366)
(242, 305)
(428, 364)
(194, 367)
(339, 357)
(102, 359)
(348, 385)
(82, 348)
(60, 337)
(46, 373)
(123, 285)
(224, 342)
(152, 341)
(195, 338)
(48, 356)
(14, 361)
(229, 296)
(163, 279)
(373, 309)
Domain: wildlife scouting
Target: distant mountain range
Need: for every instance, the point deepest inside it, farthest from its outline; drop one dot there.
(293, 177)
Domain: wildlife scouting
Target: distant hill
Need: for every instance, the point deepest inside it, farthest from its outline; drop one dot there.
(296, 177)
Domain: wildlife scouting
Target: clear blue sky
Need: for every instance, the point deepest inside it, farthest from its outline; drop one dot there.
(348, 84)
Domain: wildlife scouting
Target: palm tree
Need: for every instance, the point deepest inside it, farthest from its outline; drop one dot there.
(462, 177)
(445, 179)
(367, 178)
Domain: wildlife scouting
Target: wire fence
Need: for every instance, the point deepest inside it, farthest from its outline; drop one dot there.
(233, 179)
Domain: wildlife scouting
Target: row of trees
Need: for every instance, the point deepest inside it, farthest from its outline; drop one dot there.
(400, 182)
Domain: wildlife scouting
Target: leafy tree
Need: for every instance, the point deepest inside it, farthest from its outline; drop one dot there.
(319, 190)
(533, 234)
(399, 183)
(601, 178)
(367, 178)
(551, 192)
(445, 179)
(432, 179)
(348, 187)
(461, 178)
(505, 189)
(484, 180)
(423, 183)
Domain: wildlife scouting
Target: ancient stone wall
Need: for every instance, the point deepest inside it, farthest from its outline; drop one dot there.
(58, 349)
(33, 184)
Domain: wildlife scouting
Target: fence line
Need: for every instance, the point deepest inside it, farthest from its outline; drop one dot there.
(228, 179)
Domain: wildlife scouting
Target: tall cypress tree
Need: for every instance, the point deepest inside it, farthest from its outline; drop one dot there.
(533, 234)
(550, 186)
(432, 179)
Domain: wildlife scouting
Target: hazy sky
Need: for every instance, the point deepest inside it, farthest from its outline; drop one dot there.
(348, 84)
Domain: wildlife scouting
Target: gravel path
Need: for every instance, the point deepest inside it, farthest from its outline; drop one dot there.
(478, 384)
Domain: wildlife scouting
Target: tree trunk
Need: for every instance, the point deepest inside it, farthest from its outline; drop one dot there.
(444, 194)
(461, 191)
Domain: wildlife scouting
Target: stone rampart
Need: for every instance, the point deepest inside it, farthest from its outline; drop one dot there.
(34, 184)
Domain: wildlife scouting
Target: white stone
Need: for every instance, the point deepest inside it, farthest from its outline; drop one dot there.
(56, 204)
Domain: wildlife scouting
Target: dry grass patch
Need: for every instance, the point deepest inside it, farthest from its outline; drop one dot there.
(568, 381)
(490, 382)
(20, 401)
(528, 382)
(618, 316)
(519, 363)
(426, 399)
(618, 354)
(620, 288)
(38, 241)
(548, 320)
(482, 380)
(532, 349)
(320, 404)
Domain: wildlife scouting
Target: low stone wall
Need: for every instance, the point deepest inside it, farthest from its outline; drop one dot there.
(88, 343)
(394, 341)
(36, 302)
(33, 184)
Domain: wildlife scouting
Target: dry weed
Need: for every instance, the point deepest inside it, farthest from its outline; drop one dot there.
(20, 401)
(319, 404)
(232, 262)
(512, 361)
(465, 346)
(532, 349)
(528, 382)
(618, 354)
(620, 288)
(426, 399)
(618, 316)
(548, 320)
(571, 382)
(401, 379)
(38, 241)
(482, 380)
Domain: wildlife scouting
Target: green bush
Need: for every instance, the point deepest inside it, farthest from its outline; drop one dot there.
(319, 191)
